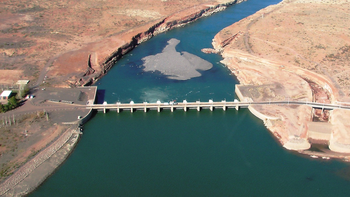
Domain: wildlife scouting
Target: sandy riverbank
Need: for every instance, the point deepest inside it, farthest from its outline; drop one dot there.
(289, 51)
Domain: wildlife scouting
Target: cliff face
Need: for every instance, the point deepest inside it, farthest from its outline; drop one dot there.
(108, 51)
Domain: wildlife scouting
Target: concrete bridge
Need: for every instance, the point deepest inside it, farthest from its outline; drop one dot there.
(198, 105)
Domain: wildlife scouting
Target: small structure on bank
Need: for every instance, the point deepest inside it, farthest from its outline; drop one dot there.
(6, 94)
(22, 86)
(20, 83)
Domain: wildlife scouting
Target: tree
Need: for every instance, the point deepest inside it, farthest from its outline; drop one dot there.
(12, 103)
(5, 108)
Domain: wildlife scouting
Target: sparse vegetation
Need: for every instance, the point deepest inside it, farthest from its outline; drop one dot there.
(5, 171)
(345, 49)
(330, 56)
(18, 137)
(320, 46)
(296, 60)
(11, 104)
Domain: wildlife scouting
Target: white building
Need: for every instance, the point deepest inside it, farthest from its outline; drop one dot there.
(5, 94)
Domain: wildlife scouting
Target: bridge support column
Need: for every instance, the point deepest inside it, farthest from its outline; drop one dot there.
(158, 109)
(198, 108)
(224, 108)
(104, 110)
(145, 109)
(172, 109)
(237, 107)
(118, 110)
(211, 108)
(131, 109)
(185, 108)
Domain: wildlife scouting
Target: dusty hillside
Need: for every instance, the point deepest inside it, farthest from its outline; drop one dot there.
(34, 33)
(312, 36)
(296, 50)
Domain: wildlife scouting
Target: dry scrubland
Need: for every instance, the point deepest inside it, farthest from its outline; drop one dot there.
(314, 36)
(33, 32)
(22, 137)
(296, 50)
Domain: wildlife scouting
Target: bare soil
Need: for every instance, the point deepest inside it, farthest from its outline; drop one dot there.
(295, 50)
(28, 129)
(32, 32)
(23, 139)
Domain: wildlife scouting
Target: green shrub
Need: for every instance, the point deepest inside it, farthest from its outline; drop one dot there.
(11, 104)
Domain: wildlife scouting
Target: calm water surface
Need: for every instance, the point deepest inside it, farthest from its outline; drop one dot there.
(186, 153)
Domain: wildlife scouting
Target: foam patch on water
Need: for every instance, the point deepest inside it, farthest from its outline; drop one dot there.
(153, 95)
(176, 65)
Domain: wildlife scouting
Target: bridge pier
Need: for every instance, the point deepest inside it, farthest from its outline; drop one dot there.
(145, 108)
(224, 105)
(132, 107)
(199, 105)
(185, 107)
(211, 107)
(118, 109)
(236, 101)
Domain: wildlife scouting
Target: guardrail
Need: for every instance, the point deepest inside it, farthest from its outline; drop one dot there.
(208, 105)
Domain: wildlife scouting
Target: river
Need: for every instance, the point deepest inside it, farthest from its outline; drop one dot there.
(207, 153)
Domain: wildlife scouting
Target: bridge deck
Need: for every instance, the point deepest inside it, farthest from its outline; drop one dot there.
(205, 105)
(158, 106)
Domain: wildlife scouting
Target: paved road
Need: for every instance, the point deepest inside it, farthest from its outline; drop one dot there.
(215, 104)
(72, 111)
(30, 107)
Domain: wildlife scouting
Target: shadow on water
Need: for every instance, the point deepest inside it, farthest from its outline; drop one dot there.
(100, 96)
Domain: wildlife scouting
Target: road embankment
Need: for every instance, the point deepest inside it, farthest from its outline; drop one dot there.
(34, 172)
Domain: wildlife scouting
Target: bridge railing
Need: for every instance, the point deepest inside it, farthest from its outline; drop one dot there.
(212, 103)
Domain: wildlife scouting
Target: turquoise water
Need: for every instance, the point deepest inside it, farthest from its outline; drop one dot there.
(219, 153)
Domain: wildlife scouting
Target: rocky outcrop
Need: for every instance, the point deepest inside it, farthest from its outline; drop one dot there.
(208, 50)
(89, 70)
